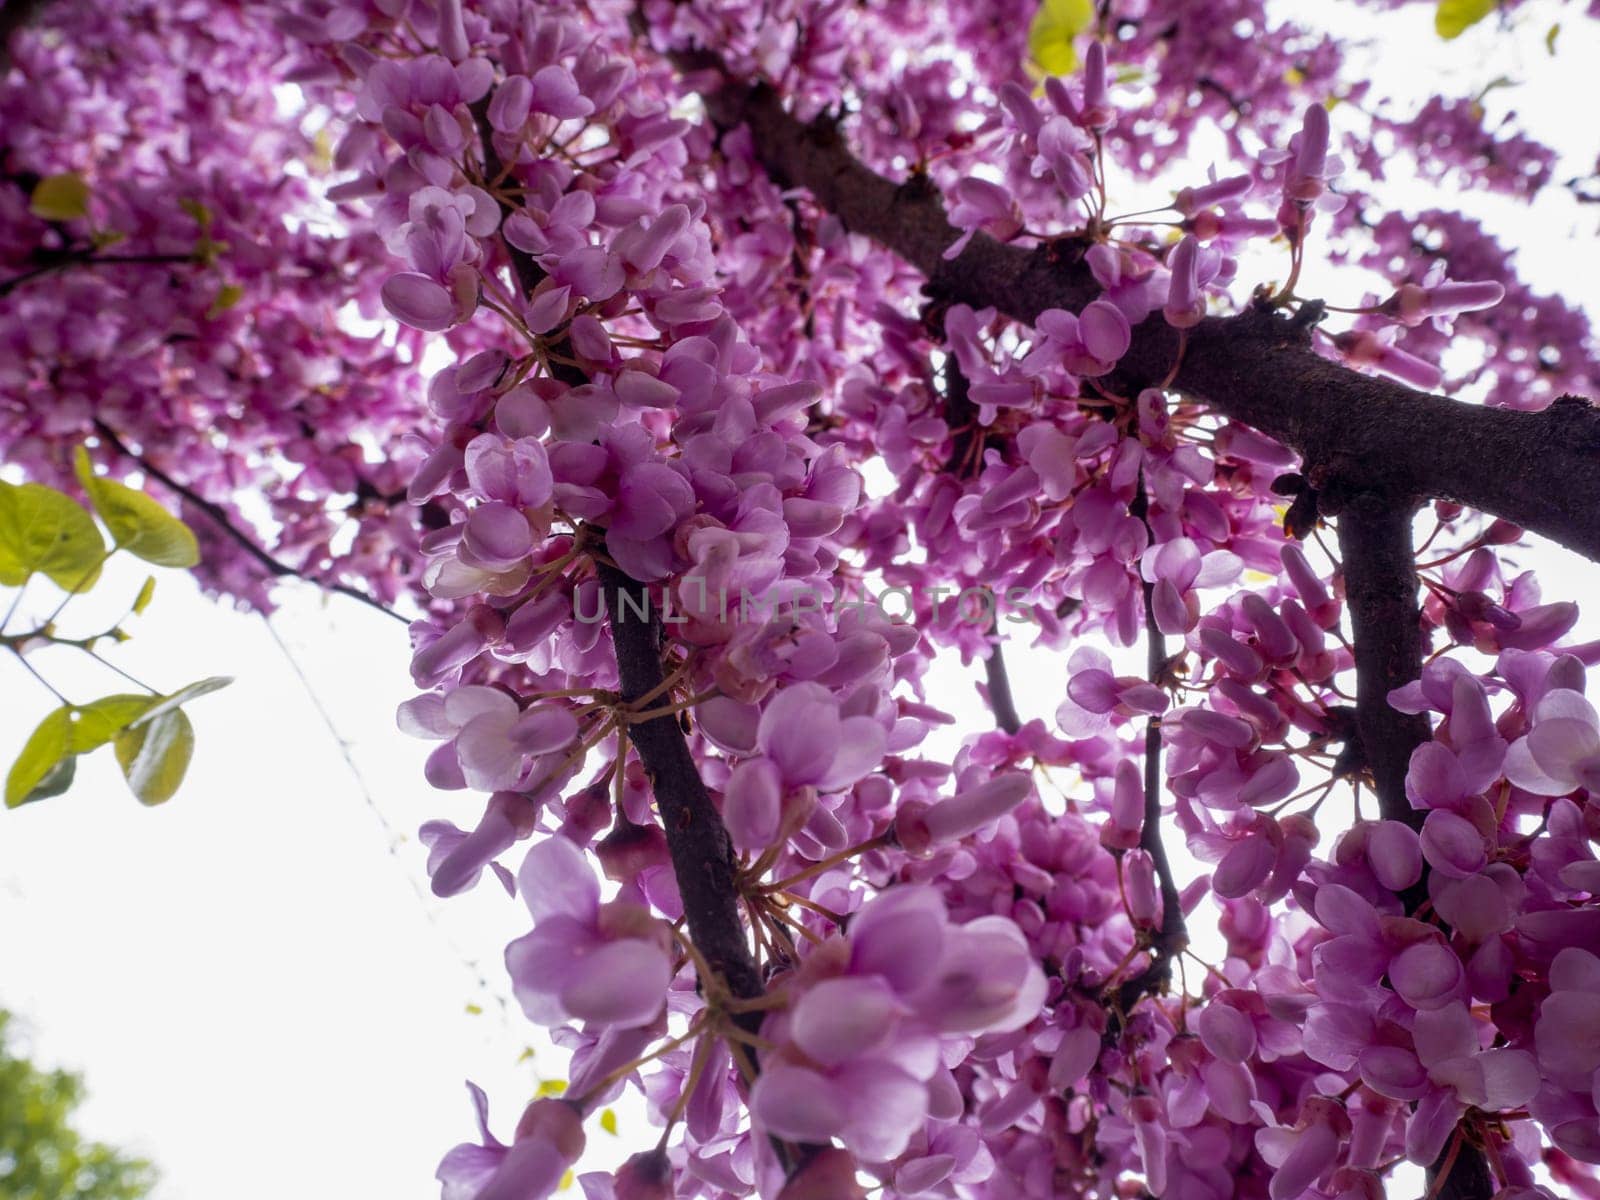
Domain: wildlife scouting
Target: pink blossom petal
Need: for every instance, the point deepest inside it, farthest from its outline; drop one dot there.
(623, 983)
(418, 301)
(556, 879)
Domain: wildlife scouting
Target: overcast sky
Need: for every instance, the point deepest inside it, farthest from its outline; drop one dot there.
(264, 998)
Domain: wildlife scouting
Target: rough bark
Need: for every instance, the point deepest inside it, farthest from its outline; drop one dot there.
(702, 854)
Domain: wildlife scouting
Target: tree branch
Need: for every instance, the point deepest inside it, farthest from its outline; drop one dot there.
(1001, 701)
(64, 261)
(220, 518)
(13, 16)
(1380, 579)
(1256, 368)
(1173, 935)
(702, 852)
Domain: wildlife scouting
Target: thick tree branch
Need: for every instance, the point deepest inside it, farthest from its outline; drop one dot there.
(1539, 470)
(702, 852)
(1380, 579)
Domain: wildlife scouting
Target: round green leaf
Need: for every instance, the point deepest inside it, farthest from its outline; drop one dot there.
(1050, 37)
(60, 198)
(1454, 17)
(42, 529)
(31, 775)
(96, 724)
(154, 755)
(137, 523)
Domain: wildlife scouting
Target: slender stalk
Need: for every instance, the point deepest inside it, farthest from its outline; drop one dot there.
(220, 518)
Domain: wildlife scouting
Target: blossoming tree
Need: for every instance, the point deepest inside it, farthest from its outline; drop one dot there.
(744, 317)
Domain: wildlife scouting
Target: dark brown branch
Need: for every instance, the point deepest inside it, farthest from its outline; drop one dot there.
(1539, 470)
(219, 517)
(1173, 935)
(697, 840)
(13, 16)
(529, 273)
(64, 261)
(702, 853)
(1001, 702)
(1380, 580)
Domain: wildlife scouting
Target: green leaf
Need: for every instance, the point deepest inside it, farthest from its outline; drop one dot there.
(97, 723)
(1550, 36)
(146, 593)
(42, 529)
(1051, 35)
(1454, 17)
(166, 704)
(198, 211)
(551, 1087)
(59, 780)
(154, 754)
(608, 1121)
(60, 198)
(230, 295)
(36, 767)
(137, 523)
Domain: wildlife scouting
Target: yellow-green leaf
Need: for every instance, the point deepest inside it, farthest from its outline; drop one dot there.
(1550, 36)
(146, 593)
(608, 1121)
(42, 529)
(1050, 37)
(154, 755)
(31, 776)
(96, 724)
(137, 523)
(166, 704)
(1454, 17)
(60, 198)
(474, 1010)
(198, 211)
(230, 295)
(551, 1087)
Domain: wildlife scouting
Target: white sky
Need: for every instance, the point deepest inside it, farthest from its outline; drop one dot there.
(261, 999)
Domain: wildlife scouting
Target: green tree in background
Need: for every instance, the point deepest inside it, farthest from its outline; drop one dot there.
(41, 1156)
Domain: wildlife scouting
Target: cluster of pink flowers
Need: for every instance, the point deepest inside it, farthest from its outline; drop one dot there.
(938, 949)
(187, 298)
(660, 361)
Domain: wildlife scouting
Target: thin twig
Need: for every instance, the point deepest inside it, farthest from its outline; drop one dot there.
(7, 286)
(1001, 701)
(220, 517)
(1173, 936)
(393, 836)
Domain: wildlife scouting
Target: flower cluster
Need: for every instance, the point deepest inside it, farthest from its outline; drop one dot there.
(821, 936)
